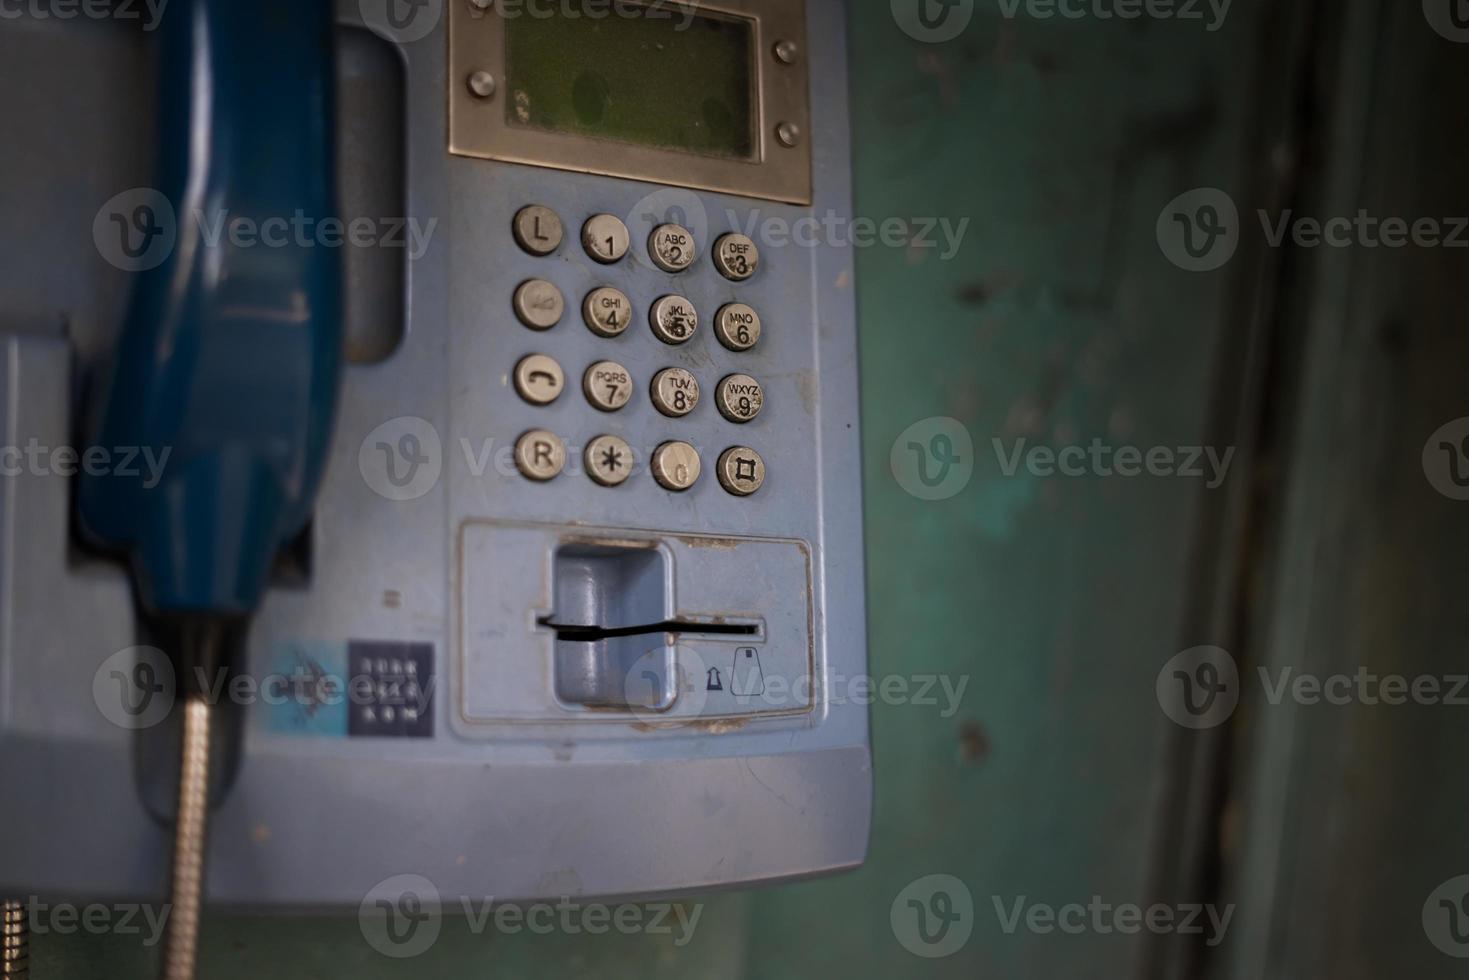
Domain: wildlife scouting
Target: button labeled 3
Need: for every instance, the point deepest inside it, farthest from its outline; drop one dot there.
(675, 392)
(739, 397)
(676, 466)
(608, 385)
(672, 248)
(605, 238)
(607, 311)
(540, 455)
(539, 379)
(736, 257)
(674, 319)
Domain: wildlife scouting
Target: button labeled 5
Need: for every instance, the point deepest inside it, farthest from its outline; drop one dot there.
(674, 319)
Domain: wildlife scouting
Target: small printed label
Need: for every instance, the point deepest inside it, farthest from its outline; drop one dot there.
(393, 687)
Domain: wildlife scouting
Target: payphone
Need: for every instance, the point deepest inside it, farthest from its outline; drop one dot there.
(587, 555)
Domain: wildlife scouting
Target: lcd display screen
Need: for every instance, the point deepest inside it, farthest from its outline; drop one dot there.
(655, 75)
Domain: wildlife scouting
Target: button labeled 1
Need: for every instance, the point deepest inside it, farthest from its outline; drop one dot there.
(605, 238)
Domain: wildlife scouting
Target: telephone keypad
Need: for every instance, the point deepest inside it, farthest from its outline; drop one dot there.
(675, 465)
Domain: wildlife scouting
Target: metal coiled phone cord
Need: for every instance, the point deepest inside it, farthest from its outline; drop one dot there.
(14, 941)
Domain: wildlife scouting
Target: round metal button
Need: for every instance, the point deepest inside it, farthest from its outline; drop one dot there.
(607, 311)
(539, 304)
(675, 392)
(540, 455)
(538, 229)
(741, 471)
(608, 460)
(605, 238)
(676, 466)
(737, 326)
(672, 248)
(736, 257)
(608, 385)
(674, 319)
(739, 397)
(539, 379)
